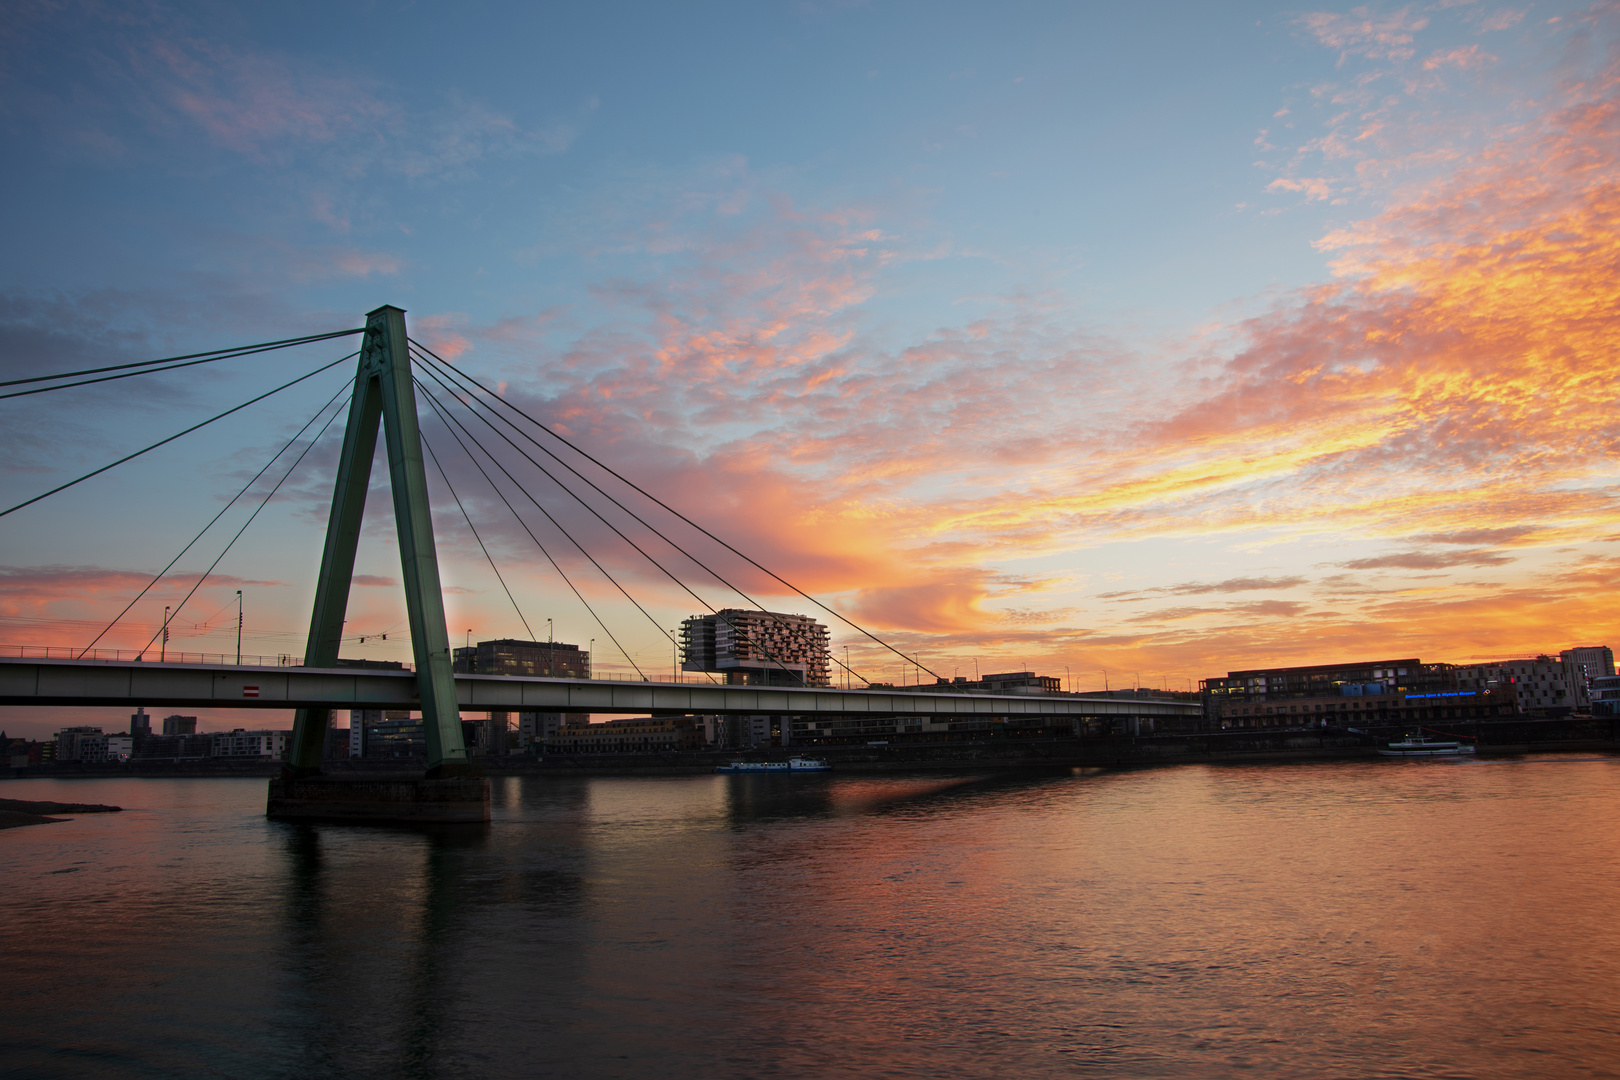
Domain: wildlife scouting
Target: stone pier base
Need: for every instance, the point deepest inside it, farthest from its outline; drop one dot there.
(394, 799)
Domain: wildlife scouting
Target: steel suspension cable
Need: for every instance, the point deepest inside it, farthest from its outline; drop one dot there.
(176, 435)
(778, 619)
(637, 517)
(443, 418)
(465, 517)
(659, 502)
(148, 371)
(644, 554)
(444, 415)
(245, 488)
(262, 504)
(216, 354)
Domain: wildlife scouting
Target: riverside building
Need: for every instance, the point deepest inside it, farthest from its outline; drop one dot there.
(1582, 665)
(1345, 694)
(1605, 696)
(1540, 685)
(757, 648)
(179, 725)
(632, 735)
(251, 744)
(1007, 682)
(91, 746)
(513, 656)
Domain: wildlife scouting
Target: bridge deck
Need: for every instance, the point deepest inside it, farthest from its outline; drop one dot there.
(132, 683)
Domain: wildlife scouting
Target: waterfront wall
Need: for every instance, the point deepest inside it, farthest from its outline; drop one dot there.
(1491, 737)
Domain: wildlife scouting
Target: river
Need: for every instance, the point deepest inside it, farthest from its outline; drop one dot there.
(1346, 919)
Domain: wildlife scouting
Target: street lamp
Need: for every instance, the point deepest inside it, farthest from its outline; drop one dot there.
(163, 649)
(590, 656)
(238, 627)
(551, 651)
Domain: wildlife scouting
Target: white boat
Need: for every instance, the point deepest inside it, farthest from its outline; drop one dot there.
(1423, 746)
(798, 764)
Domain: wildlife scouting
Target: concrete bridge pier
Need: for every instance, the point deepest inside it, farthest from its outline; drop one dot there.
(454, 788)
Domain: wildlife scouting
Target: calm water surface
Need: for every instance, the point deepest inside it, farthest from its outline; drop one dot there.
(1411, 919)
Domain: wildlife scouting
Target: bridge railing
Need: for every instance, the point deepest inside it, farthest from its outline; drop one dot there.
(173, 656)
(283, 660)
(180, 656)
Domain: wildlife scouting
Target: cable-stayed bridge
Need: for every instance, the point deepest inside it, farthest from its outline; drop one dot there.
(383, 399)
(29, 681)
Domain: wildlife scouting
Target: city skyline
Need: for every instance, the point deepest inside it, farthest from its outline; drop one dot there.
(1166, 342)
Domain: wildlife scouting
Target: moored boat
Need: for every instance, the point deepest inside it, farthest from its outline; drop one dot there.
(798, 764)
(1423, 746)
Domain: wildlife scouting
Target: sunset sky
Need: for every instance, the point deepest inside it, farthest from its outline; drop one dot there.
(1128, 342)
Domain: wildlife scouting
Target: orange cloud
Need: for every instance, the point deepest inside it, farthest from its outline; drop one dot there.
(1444, 409)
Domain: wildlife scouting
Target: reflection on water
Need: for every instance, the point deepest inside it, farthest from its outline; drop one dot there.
(1359, 919)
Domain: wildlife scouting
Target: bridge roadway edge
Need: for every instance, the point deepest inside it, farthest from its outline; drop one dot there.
(32, 681)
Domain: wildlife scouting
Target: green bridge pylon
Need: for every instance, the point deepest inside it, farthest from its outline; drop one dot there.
(383, 391)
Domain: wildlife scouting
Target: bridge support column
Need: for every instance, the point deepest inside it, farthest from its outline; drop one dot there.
(384, 393)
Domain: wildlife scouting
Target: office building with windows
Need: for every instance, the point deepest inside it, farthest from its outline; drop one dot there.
(758, 648)
(511, 656)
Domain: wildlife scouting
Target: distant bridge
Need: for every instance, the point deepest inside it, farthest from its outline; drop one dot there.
(131, 683)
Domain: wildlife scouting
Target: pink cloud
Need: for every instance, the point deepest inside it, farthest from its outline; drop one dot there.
(1315, 188)
(1360, 32)
(1448, 387)
(1471, 56)
(1505, 19)
(61, 605)
(246, 100)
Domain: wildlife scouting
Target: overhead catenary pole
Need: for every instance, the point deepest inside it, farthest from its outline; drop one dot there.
(384, 395)
(238, 627)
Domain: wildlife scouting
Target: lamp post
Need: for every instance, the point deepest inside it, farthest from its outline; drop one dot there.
(163, 649)
(551, 651)
(589, 659)
(238, 627)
